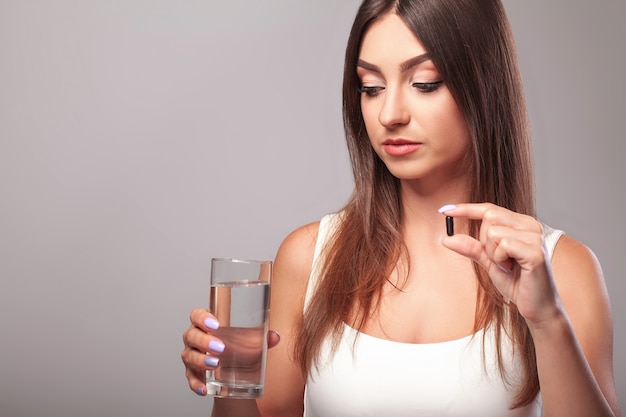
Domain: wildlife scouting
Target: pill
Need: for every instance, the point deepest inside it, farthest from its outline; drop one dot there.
(450, 225)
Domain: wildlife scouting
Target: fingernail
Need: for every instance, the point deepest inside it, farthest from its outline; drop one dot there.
(447, 207)
(216, 346)
(200, 390)
(211, 361)
(503, 269)
(440, 238)
(211, 323)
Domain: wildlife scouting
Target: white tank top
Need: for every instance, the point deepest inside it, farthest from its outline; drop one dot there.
(369, 376)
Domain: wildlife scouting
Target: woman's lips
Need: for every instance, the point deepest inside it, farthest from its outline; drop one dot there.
(399, 147)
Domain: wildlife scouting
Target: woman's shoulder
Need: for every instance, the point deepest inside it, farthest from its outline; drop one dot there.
(298, 250)
(575, 258)
(296, 253)
(569, 254)
(580, 281)
(301, 242)
(576, 262)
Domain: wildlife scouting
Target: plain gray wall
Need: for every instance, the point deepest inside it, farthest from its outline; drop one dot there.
(140, 138)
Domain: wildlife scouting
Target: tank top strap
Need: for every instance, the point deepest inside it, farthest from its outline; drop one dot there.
(328, 223)
(550, 238)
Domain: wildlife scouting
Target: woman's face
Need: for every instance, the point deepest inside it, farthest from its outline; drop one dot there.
(413, 123)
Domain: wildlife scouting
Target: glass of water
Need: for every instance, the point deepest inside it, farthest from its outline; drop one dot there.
(239, 299)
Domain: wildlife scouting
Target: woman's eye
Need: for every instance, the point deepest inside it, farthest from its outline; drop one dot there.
(428, 87)
(370, 90)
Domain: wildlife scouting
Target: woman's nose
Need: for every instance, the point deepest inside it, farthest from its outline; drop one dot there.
(394, 111)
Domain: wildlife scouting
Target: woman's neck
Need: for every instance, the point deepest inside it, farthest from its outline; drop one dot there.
(420, 203)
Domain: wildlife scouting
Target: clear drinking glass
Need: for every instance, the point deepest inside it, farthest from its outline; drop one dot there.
(239, 299)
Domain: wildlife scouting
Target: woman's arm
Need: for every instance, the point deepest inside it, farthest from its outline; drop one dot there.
(564, 303)
(575, 348)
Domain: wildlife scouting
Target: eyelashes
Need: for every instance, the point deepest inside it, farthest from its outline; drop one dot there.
(370, 91)
(428, 87)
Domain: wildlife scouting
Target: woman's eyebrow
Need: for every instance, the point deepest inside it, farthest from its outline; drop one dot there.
(367, 66)
(404, 66)
(414, 62)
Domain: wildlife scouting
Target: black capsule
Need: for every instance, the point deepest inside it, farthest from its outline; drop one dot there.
(450, 225)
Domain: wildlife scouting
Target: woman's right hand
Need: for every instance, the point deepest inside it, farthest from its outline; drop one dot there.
(202, 349)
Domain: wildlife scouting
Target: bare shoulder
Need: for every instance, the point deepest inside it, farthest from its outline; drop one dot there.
(296, 251)
(576, 269)
(292, 268)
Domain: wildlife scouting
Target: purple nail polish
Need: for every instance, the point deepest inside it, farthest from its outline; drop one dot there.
(200, 390)
(447, 207)
(211, 323)
(211, 361)
(216, 346)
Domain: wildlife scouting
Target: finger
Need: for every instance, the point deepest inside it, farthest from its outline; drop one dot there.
(530, 235)
(474, 250)
(197, 340)
(273, 338)
(468, 247)
(497, 239)
(202, 319)
(473, 211)
(500, 257)
(516, 243)
(197, 385)
(527, 254)
(198, 362)
(196, 381)
(502, 247)
(490, 214)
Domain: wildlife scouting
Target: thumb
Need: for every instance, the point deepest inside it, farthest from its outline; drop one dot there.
(273, 338)
(464, 245)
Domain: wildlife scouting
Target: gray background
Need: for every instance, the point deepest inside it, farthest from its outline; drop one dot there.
(139, 138)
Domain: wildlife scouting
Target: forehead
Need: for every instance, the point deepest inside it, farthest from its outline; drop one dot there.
(389, 38)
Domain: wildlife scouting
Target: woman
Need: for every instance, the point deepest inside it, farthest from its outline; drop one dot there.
(380, 313)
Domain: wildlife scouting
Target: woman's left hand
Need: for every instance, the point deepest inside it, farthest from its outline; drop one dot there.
(510, 247)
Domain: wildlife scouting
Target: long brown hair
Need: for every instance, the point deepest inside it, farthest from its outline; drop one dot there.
(471, 45)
